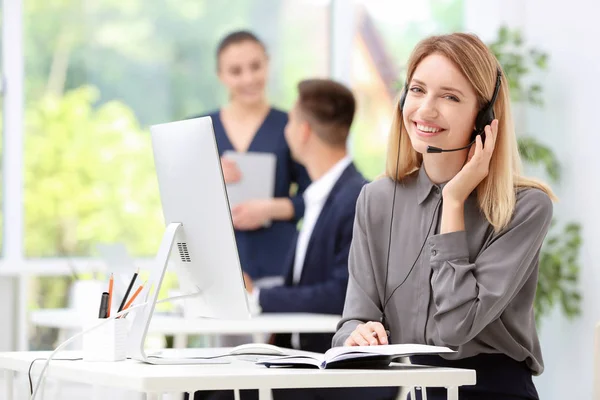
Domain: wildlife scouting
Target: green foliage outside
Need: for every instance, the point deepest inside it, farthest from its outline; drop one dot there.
(97, 74)
(87, 177)
(86, 180)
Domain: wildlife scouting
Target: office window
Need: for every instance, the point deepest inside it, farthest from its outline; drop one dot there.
(98, 73)
(385, 34)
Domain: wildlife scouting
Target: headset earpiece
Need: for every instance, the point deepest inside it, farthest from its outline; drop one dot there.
(403, 97)
(486, 115)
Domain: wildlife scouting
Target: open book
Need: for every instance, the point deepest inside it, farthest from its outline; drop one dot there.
(354, 356)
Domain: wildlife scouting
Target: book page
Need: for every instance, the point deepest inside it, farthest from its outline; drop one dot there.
(398, 350)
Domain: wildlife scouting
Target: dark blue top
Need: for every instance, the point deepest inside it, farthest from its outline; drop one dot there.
(263, 251)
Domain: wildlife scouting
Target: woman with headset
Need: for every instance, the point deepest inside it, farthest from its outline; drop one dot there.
(458, 265)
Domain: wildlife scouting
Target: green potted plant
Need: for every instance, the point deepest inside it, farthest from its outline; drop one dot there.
(559, 265)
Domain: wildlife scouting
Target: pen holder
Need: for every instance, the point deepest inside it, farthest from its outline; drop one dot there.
(107, 342)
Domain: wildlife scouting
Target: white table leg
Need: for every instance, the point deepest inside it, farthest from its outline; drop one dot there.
(180, 341)
(153, 396)
(9, 376)
(258, 338)
(413, 395)
(62, 336)
(453, 393)
(236, 394)
(210, 341)
(265, 394)
(216, 341)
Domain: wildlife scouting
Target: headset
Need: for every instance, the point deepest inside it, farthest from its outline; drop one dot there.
(484, 117)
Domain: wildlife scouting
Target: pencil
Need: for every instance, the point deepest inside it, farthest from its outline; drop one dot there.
(111, 282)
(134, 296)
(128, 290)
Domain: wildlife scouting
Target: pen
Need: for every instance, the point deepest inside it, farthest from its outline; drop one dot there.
(110, 294)
(130, 302)
(103, 306)
(128, 291)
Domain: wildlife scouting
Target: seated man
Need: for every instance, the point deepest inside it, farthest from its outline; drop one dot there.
(317, 268)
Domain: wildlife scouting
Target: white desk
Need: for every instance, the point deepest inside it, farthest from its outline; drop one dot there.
(155, 380)
(180, 328)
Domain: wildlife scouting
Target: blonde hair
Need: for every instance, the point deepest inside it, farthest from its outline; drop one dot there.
(496, 194)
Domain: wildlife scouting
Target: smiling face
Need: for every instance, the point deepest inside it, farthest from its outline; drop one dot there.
(440, 106)
(243, 69)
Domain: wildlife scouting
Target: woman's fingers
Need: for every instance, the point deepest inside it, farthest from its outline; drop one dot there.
(491, 135)
(370, 334)
(358, 339)
(378, 332)
(367, 332)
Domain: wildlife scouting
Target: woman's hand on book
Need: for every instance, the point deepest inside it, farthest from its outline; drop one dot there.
(370, 334)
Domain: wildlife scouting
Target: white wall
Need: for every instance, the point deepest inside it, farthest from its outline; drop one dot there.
(569, 32)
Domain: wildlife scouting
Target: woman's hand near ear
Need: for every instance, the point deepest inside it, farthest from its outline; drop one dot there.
(457, 190)
(476, 168)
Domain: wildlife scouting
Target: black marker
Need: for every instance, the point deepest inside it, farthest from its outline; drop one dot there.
(103, 306)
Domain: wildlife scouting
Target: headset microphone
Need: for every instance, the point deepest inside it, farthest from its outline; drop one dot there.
(432, 149)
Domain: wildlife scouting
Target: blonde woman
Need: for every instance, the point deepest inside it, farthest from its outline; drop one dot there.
(458, 265)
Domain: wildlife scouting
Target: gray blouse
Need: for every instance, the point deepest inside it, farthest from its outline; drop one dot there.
(471, 290)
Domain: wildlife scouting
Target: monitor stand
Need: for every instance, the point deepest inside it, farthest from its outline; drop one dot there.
(139, 329)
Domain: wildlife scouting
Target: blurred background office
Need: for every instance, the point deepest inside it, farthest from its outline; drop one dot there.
(83, 80)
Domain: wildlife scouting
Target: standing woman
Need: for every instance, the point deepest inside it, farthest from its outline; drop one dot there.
(456, 262)
(248, 123)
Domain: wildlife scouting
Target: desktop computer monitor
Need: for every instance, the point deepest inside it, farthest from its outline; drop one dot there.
(199, 240)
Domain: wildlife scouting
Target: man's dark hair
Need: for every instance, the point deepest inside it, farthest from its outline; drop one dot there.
(328, 107)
